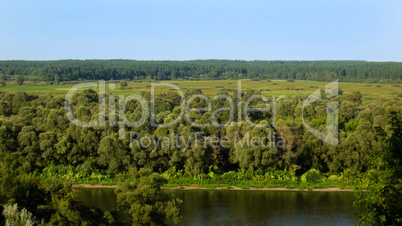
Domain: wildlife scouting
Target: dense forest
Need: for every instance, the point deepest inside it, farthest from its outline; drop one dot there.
(35, 133)
(68, 70)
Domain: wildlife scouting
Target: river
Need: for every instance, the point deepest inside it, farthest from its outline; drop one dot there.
(234, 207)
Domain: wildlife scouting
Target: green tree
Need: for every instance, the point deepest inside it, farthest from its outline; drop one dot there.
(123, 84)
(29, 146)
(383, 201)
(47, 140)
(19, 80)
(3, 79)
(355, 97)
(143, 202)
(52, 201)
(112, 154)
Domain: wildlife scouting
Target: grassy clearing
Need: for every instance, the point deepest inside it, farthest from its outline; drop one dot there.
(212, 87)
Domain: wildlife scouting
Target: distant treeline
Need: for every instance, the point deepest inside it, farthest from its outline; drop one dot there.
(69, 70)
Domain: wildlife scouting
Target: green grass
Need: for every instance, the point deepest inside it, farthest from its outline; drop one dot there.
(282, 87)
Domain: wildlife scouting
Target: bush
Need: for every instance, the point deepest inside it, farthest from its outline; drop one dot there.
(231, 175)
(312, 175)
(334, 178)
(14, 217)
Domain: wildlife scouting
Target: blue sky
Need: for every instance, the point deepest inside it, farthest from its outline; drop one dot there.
(185, 30)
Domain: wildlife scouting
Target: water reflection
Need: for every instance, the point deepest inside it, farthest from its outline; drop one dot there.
(229, 207)
(267, 208)
(103, 198)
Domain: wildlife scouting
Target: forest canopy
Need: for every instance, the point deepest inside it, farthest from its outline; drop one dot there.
(70, 70)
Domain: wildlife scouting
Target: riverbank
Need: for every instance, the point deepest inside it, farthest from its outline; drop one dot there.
(225, 188)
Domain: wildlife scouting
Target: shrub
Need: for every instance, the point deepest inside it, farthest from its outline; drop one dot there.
(231, 175)
(334, 178)
(14, 217)
(172, 173)
(312, 175)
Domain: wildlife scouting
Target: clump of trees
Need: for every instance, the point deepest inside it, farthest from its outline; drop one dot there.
(142, 201)
(383, 200)
(28, 199)
(35, 133)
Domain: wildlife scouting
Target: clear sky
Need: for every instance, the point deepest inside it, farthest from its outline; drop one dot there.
(184, 30)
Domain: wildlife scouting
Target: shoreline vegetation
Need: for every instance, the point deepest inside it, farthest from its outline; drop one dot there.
(235, 188)
(312, 180)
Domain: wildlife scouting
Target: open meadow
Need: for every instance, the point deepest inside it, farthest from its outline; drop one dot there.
(370, 92)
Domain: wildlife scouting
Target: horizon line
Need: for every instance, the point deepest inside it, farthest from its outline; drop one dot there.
(205, 59)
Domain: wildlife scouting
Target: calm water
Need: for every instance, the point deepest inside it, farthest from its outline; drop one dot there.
(210, 207)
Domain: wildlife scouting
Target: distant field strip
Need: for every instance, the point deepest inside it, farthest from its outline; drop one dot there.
(212, 87)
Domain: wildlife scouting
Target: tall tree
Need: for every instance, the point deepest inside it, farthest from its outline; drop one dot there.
(20, 80)
(383, 201)
(144, 203)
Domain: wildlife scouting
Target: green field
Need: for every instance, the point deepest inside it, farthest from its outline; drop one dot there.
(212, 87)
